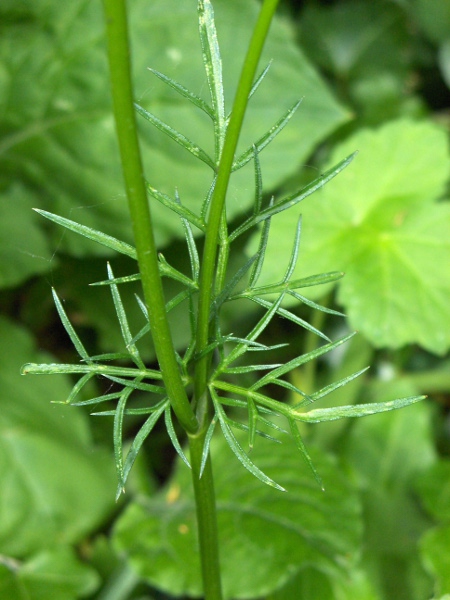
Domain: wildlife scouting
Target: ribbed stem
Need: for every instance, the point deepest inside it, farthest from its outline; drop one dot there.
(218, 200)
(122, 94)
(205, 503)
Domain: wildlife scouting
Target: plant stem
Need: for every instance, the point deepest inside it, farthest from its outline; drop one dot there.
(205, 503)
(218, 200)
(122, 94)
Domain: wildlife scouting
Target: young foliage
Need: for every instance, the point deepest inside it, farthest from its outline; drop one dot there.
(223, 349)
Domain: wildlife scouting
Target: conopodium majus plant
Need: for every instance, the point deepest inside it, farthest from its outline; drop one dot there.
(197, 387)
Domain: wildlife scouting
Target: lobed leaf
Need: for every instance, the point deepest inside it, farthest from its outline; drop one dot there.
(389, 234)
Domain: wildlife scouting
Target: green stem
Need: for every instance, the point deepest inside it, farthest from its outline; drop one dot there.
(122, 95)
(217, 204)
(206, 519)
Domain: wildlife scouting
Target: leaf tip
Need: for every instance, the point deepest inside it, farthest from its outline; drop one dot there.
(120, 491)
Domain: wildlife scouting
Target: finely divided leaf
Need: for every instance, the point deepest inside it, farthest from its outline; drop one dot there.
(178, 137)
(293, 199)
(91, 234)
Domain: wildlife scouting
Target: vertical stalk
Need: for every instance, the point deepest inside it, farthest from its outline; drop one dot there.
(205, 503)
(122, 95)
(218, 200)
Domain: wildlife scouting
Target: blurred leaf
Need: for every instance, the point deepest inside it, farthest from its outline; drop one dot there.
(435, 546)
(444, 61)
(388, 452)
(57, 487)
(345, 39)
(380, 223)
(434, 489)
(313, 584)
(23, 247)
(57, 574)
(58, 133)
(434, 17)
(265, 535)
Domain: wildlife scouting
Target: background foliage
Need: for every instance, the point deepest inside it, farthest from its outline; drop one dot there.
(374, 77)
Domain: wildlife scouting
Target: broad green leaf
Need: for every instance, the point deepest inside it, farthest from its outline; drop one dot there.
(23, 248)
(56, 118)
(265, 535)
(57, 486)
(58, 574)
(380, 223)
(313, 584)
(388, 452)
